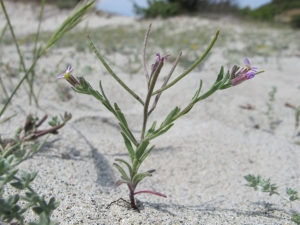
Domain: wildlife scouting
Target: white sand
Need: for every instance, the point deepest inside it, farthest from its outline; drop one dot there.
(200, 162)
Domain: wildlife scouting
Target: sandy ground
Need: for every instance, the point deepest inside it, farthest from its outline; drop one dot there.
(200, 162)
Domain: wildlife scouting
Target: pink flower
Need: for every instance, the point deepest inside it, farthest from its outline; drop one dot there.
(69, 77)
(66, 74)
(246, 73)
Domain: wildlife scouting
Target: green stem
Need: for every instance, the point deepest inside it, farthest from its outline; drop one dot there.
(147, 101)
(8, 151)
(112, 73)
(191, 67)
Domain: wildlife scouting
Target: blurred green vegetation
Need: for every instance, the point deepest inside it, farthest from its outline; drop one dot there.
(167, 8)
(267, 12)
(296, 21)
(63, 4)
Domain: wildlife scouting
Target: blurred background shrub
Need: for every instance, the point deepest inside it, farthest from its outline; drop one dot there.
(277, 11)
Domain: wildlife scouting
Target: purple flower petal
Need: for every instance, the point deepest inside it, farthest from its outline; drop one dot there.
(69, 69)
(65, 74)
(61, 76)
(247, 62)
(253, 68)
(250, 75)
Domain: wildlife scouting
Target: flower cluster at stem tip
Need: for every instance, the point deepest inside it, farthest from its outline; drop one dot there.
(246, 73)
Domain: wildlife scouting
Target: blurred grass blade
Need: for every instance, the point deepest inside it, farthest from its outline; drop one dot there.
(82, 9)
(3, 32)
(8, 118)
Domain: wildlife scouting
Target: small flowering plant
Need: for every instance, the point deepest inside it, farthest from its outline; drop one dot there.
(139, 148)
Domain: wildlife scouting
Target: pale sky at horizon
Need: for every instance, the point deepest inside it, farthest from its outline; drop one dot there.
(124, 7)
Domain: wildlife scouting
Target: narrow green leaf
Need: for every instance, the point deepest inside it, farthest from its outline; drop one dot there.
(128, 134)
(80, 90)
(120, 115)
(140, 176)
(158, 133)
(220, 75)
(124, 175)
(198, 91)
(128, 146)
(189, 109)
(102, 91)
(226, 78)
(152, 129)
(169, 118)
(128, 166)
(144, 157)
(119, 182)
(141, 149)
(112, 73)
(96, 94)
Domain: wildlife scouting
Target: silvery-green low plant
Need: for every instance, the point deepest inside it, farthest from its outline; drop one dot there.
(140, 148)
(15, 150)
(265, 185)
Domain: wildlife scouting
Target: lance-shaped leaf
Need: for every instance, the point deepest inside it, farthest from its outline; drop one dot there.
(128, 134)
(124, 175)
(220, 75)
(140, 176)
(119, 182)
(120, 115)
(128, 166)
(198, 91)
(102, 91)
(212, 90)
(96, 94)
(128, 146)
(226, 78)
(160, 132)
(152, 129)
(171, 115)
(141, 149)
(144, 157)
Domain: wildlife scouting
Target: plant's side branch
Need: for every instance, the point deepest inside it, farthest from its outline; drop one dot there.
(147, 101)
(191, 67)
(112, 73)
(165, 83)
(144, 54)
